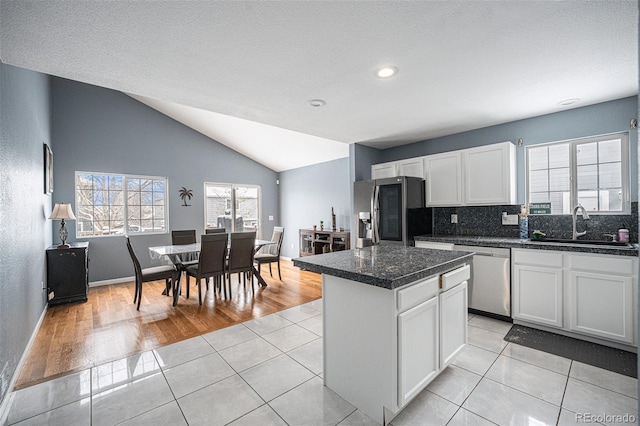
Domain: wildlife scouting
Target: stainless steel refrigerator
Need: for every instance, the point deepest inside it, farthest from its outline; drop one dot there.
(380, 210)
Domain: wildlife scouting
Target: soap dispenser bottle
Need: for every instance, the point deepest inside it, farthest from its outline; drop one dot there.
(623, 234)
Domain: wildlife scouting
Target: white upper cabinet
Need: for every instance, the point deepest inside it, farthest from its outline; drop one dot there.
(408, 167)
(411, 167)
(443, 184)
(384, 170)
(485, 175)
(490, 174)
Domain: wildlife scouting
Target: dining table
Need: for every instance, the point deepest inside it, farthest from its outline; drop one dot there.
(176, 253)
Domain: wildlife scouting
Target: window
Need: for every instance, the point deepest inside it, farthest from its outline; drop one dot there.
(593, 172)
(109, 204)
(236, 208)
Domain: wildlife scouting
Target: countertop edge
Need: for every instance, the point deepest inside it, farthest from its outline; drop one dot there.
(386, 283)
(505, 242)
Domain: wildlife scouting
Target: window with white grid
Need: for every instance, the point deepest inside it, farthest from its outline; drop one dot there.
(593, 172)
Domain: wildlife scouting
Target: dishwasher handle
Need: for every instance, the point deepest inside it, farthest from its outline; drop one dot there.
(485, 254)
(485, 251)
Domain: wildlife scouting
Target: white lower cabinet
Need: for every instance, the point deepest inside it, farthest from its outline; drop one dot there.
(537, 294)
(584, 294)
(418, 335)
(453, 322)
(601, 305)
(383, 347)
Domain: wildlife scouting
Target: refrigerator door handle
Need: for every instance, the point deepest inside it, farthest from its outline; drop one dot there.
(375, 210)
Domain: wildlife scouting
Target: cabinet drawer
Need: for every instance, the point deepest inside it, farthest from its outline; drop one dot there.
(417, 293)
(434, 245)
(537, 257)
(455, 277)
(602, 263)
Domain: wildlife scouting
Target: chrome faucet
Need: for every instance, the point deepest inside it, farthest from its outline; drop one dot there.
(585, 216)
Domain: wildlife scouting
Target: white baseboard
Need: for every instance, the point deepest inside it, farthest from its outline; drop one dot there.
(112, 281)
(5, 404)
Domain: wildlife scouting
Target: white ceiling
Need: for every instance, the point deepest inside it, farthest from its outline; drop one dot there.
(242, 72)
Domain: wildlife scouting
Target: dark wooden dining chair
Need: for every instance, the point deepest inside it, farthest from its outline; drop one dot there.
(241, 256)
(271, 253)
(169, 273)
(180, 238)
(211, 262)
(215, 231)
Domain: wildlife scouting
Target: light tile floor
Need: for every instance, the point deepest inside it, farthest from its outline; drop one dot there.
(268, 371)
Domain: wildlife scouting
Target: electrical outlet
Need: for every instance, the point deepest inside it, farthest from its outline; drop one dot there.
(509, 219)
(270, 217)
(454, 218)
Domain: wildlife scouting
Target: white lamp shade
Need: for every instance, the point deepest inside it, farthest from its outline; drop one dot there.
(62, 211)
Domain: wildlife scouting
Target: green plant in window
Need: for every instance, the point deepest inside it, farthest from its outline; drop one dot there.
(185, 194)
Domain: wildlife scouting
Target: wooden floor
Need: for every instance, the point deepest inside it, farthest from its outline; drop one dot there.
(107, 327)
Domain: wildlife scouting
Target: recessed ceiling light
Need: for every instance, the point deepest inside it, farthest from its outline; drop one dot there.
(386, 72)
(568, 102)
(317, 103)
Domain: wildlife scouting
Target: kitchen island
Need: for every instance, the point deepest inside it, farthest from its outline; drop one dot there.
(394, 318)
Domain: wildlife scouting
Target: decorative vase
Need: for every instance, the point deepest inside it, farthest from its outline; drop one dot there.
(333, 220)
(524, 228)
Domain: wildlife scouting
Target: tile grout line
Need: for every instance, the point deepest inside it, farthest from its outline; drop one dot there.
(170, 388)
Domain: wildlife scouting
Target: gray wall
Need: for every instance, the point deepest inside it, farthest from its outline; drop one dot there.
(101, 130)
(307, 195)
(25, 232)
(607, 117)
(362, 157)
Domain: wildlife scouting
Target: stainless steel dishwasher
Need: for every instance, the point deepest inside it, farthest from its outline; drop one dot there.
(490, 283)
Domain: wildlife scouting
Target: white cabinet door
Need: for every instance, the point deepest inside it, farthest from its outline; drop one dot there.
(453, 323)
(537, 295)
(489, 174)
(384, 170)
(417, 349)
(601, 305)
(443, 174)
(411, 167)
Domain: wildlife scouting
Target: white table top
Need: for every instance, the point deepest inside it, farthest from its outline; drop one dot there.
(160, 251)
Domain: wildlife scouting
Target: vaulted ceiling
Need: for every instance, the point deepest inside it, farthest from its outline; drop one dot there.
(243, 72)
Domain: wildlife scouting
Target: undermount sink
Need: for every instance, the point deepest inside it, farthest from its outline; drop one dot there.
(587, 242)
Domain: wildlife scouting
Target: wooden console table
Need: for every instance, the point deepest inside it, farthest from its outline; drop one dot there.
(318, 242)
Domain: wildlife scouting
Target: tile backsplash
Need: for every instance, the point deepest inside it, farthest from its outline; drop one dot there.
(487, 221)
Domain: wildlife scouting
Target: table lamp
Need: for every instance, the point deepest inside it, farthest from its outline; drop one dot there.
(62, 211)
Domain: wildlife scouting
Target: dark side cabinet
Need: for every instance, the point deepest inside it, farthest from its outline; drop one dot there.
(68, 273)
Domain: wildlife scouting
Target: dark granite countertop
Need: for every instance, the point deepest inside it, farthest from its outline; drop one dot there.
(502, 242)
(384, 266)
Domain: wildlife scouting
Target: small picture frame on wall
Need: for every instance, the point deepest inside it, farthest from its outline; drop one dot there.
(48, 169)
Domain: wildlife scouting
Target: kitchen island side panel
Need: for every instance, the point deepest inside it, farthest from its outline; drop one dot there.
(360, 344)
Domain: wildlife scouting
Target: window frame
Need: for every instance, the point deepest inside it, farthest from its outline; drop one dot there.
(125, 205)
(233, 187)
(625, 171)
